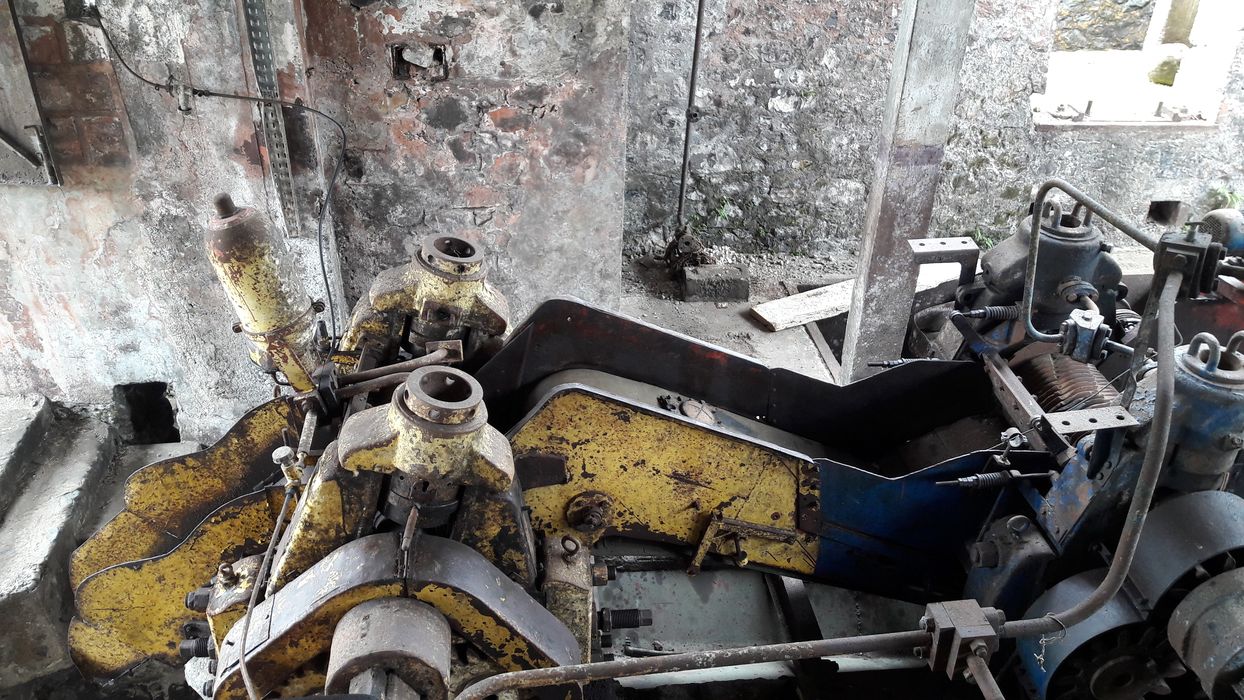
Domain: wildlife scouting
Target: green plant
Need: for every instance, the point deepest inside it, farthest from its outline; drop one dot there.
(1223, 197)
(984, 239)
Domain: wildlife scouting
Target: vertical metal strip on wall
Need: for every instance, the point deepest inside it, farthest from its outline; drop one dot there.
(264, 64)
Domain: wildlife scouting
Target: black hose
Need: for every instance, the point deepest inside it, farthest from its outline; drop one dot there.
(1146, 483)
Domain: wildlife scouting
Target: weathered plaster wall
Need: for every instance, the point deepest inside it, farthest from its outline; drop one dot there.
(105, 281)
(520, 148)
(792, 96)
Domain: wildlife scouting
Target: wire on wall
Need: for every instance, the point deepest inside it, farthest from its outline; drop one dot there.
(171, 88)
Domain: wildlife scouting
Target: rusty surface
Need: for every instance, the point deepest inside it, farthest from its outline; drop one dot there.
(166, 500)
(296, 624)
(403, 636)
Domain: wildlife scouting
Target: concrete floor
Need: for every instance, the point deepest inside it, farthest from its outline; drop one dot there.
(649, 296)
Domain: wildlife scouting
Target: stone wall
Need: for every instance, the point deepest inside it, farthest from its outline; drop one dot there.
(1099, 25)
(792, 98)
(521, 147)
(996, 156)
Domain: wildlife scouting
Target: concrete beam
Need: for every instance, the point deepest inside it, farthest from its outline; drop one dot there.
(929, 49)
(37, 534)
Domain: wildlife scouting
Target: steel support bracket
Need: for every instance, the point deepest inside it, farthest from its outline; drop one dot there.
(960, 628)
(926, 251)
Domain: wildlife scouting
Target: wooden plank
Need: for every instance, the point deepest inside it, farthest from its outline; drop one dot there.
(805, 307)
(833, 299)
(818, 339)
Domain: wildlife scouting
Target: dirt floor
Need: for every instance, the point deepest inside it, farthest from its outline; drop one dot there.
(650, 295)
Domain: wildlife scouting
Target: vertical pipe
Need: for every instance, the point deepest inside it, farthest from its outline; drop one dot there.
(689, 116)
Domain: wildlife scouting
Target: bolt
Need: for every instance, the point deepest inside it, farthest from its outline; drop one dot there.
(570, 548)
(226, 574)
(196, 649)
(284, 456)
(926, 623)
(1018, 524)
(1232, 442)
(626, 618)
(212, 665)
(979, 648)
(208, 687)
(195, 629)
(197, 599)
(603, 573)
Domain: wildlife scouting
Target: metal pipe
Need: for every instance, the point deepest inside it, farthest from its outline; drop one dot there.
(1035, 240)
(690, 115)
(979, 668)
(432, 358)
(1146, 483)
(713, 658)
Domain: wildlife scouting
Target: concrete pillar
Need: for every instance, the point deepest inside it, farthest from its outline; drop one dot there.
(932, 38)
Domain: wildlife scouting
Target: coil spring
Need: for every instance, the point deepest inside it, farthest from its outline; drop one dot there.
(1060, 383)
(994, 313)
(992, 479)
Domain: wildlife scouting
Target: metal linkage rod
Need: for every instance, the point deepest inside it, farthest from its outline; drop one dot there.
(714, 658)
(1146, 483)
(979, 668)
(432, 358)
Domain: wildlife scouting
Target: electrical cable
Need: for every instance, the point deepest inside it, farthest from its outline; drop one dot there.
(332, 180)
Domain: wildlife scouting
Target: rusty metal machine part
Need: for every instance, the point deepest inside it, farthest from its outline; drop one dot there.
(434, 434)
(1207, 630)
(400, 636)
(443, 295)
(476, 524)
(1059, 382)
(274, 313)
(295, 626)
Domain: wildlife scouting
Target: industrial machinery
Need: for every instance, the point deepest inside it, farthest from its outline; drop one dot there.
(1040, 500)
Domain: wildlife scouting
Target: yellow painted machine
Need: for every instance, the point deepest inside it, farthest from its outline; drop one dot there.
(435, 505)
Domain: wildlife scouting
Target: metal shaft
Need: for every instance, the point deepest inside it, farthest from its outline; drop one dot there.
(715, 658)
(686, 136)
(979, 668)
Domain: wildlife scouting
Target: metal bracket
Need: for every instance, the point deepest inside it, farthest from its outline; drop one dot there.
(721, 526)
(1090, 419)
(964, 251)
(959, 629)
(260, 40)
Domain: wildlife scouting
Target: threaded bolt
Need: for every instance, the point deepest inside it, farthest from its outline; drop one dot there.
(624, 618)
